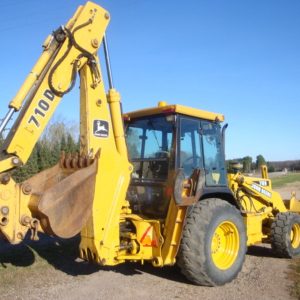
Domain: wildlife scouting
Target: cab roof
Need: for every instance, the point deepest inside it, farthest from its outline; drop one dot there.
(164, 108)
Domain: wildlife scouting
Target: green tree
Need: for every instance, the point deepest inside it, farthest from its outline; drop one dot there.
(247, 164)
(71, 145)
(63, 144)
(260, 160)
(44, 155)
(271, 167)
(55, 153)
(58, 136)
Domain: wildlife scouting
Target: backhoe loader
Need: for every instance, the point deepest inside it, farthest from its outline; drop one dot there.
(150, 185)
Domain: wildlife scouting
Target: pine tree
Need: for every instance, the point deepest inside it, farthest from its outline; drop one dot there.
(71, 145)
(63, 144)
(55, 153)
(47, 151)
(44, 155)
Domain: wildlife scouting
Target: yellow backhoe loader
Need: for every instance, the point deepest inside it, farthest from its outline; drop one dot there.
(149, 185)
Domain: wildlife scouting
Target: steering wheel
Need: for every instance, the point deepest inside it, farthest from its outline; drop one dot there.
(162, 154)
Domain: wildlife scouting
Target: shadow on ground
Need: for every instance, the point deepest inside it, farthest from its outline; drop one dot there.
(17, 255)
(263, 250)
(63, 255)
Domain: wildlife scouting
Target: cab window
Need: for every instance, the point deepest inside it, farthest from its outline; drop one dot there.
(214, 162)
(190, 147)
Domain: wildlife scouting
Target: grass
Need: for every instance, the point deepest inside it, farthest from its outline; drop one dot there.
(282, 180)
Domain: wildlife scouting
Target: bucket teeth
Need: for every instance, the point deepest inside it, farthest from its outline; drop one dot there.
(80, 162)
(74, 161)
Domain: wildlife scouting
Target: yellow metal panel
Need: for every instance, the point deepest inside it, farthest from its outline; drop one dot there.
(149, 239)
(15, 203)
(253, 224)
(6, 164)
(294, 204)
(100, 236)
(172, 232)
(185, 110)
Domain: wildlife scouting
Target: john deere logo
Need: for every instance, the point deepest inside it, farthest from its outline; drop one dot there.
(100, 128)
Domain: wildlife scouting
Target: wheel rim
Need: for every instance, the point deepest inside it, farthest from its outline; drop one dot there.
(225, 245)
(295, 236)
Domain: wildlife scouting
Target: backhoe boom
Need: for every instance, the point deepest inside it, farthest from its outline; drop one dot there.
(67, 198)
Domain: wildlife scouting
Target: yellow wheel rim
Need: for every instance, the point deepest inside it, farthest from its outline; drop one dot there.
(295, 236)
(225, 245)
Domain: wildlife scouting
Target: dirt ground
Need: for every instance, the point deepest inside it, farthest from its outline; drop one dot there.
(50, 271)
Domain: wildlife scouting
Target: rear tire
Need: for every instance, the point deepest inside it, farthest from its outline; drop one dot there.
(213, 244)
(285, 235)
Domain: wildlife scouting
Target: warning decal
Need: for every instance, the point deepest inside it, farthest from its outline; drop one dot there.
(149, 238)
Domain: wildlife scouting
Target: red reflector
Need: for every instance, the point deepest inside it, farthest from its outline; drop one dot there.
(169, 110)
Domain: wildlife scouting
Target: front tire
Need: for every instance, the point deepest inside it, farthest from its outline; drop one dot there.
(285, 235)
(213, 244)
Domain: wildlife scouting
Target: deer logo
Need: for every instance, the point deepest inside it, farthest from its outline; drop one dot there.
(100, 128)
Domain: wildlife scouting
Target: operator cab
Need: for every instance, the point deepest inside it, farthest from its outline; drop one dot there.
(163, 140)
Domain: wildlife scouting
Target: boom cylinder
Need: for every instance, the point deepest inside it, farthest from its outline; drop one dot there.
(107, 61)
(16, 103)
(33, 76)
(114, 101)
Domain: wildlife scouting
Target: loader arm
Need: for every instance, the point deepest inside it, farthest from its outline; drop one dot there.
(256, 194)
(68, 198)
(259, 204)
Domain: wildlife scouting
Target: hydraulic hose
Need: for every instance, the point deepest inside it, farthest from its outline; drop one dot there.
(84, 53)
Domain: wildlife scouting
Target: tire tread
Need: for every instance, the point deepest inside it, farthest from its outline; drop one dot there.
(197, 220)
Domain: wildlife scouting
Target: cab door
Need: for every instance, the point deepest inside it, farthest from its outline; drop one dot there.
(200, 147)
(214, 160)
(190, 149)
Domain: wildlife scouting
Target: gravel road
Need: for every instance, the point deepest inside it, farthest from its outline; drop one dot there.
(262, 277)
(37, 273)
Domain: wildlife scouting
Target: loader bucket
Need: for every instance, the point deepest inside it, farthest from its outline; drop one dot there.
(62, 197)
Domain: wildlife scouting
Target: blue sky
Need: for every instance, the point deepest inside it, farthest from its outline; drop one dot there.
(239, 58)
